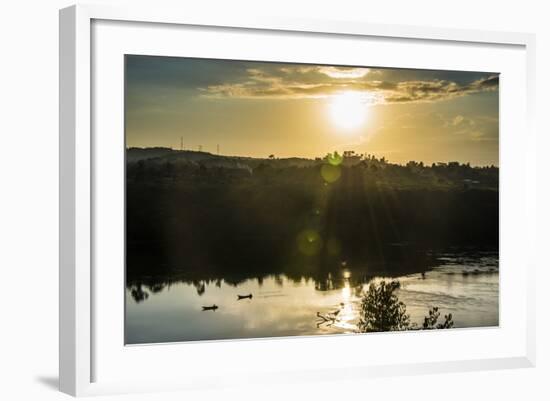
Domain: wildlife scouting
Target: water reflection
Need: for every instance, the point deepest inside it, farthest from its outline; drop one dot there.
(347, 314)
(166, 309)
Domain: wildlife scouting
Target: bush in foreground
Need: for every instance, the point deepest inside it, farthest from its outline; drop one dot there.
(381, 310)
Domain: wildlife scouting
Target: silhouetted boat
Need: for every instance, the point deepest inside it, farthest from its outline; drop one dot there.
(239, 297)
(213, 307)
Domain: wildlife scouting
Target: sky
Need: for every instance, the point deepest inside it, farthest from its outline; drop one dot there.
(259, 109)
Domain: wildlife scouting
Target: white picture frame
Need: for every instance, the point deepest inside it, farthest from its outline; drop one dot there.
(79, 161)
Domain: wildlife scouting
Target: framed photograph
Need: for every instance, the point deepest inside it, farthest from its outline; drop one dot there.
(296, 200)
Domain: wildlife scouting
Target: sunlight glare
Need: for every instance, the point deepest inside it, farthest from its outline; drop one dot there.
(348, 110)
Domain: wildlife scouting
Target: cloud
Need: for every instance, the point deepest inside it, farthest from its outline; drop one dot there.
(426, 91)
(344, 72)
(307, 82)
(478, 129)
(459, 122)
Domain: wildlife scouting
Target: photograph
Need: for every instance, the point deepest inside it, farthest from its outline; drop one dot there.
(278, 199)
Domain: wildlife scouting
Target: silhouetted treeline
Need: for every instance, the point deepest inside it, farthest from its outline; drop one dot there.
(163, 163)
(218, 216)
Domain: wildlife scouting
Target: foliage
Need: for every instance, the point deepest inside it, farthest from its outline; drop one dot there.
(430, 321)
(381, 310)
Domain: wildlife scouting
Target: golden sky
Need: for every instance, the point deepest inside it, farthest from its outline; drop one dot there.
(296, 110)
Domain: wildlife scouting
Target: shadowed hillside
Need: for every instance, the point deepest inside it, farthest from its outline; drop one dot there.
(200, 215)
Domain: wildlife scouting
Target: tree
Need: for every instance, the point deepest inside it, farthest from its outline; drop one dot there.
(381, 310)
(430, 321)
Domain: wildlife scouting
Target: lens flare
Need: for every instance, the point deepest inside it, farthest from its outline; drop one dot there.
(309, 242)
(330, 173)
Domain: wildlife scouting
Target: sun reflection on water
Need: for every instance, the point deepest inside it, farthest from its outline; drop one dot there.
(347, 314)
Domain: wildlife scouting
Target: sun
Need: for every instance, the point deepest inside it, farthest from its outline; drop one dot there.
(348, 110)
